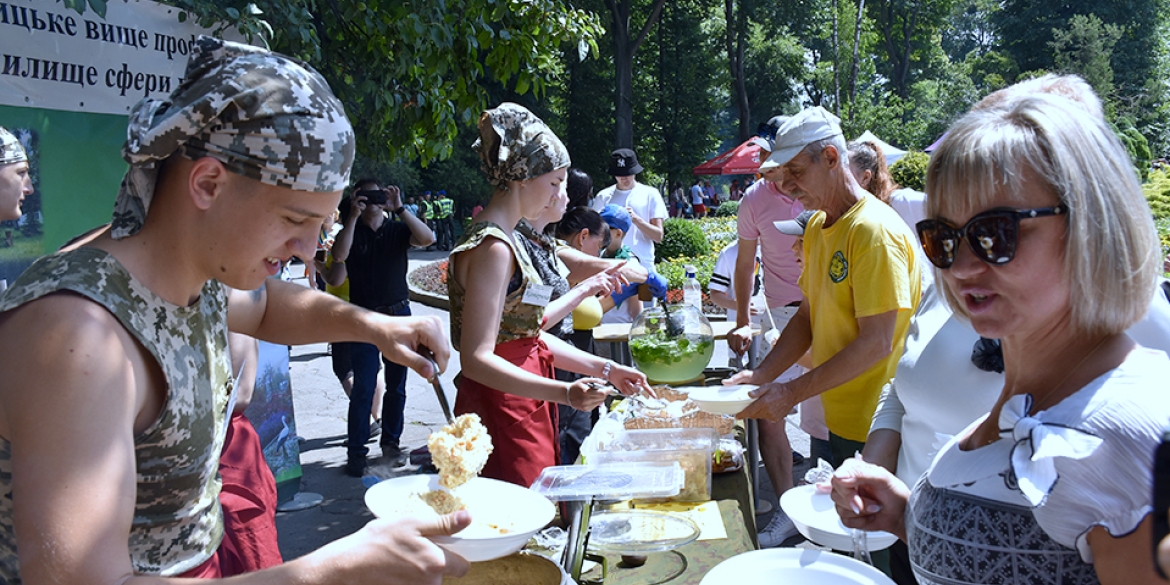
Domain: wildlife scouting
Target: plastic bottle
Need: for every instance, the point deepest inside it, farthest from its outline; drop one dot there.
(692, 292)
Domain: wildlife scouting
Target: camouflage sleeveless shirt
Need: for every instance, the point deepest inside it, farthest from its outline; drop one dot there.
(520, 320)
(177, 522)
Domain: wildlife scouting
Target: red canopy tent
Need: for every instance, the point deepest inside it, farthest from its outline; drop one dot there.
(741, 160)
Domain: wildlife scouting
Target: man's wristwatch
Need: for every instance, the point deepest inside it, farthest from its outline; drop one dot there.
(399, 211)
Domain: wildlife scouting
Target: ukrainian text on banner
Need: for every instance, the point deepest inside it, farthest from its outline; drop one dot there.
(52, 57)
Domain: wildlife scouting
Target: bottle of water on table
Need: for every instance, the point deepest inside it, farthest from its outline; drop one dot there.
(692, 292)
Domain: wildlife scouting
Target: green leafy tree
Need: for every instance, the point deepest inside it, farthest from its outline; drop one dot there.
(1027, 27)
(413, 72)
(688, 74)
(1085, 47)
(969, 29)
(585, 93)
(627, 37)
(776, 70)
(908, 29)
(737, 28)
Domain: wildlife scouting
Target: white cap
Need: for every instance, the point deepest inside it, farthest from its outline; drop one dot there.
(796, 225)
(810, 125)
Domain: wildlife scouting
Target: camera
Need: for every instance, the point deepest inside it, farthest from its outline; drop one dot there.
(373, 196)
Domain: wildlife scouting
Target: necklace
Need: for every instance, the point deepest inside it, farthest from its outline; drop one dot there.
(1036, 401)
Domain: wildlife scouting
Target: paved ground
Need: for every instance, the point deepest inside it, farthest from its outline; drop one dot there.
(321, 407)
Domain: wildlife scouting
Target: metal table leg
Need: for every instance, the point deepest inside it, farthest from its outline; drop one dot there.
(753, 457)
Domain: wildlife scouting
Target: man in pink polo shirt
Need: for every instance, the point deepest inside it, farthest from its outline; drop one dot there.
(763, 204)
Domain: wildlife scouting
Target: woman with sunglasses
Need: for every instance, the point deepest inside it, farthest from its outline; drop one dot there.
(1042, 238)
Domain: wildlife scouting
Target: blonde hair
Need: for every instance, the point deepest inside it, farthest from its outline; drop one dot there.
(1111, 255)
(1071, 87)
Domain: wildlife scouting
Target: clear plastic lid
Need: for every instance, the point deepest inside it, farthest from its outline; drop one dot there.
(639, 531)
(610, 481)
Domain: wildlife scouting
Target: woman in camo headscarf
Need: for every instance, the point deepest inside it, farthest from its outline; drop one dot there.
(500, 337)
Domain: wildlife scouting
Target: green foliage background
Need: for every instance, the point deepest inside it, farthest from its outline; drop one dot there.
(415, 74)
(910, 170)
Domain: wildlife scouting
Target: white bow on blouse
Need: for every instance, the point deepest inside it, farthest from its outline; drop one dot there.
(1036, 444)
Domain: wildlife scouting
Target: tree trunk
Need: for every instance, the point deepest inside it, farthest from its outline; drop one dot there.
(623, 56)
(836, 62)
(736, 47)
(856, 62)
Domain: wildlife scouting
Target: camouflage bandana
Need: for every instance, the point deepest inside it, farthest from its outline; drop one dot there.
(263, 115)
(10, 149)
(515, 145)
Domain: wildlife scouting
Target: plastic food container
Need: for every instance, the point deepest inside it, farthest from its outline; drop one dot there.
(691, 448)
(609, 481)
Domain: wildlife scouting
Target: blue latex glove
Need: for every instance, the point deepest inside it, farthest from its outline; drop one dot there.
(619, 296)
(657, 285)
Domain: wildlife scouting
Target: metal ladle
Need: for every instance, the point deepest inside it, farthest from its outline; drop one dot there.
(673, 329)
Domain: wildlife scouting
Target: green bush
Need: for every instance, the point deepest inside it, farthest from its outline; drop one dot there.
(910, 170)
(727, 209)
(681, 238)
(674, 271)
(1135, 145)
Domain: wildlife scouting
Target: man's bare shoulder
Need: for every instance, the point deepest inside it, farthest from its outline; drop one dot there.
(58, 330)
(58, 309)
(55, 350)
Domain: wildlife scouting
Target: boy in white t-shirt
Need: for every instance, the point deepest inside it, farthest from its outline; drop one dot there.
(722, 290)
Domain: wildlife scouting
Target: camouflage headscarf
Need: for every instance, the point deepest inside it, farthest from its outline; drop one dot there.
(10, 149)
(264, 115)
(515, 145)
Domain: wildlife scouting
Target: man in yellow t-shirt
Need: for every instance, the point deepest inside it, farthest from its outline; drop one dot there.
(861, 283)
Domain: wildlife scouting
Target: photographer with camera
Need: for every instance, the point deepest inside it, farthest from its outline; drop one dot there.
(373, 250)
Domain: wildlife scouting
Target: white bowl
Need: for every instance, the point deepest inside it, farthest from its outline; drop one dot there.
(794, 565)
(503, 515)
(722, 399)
(815, 516)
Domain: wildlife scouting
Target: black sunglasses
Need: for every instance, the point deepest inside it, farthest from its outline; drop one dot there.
(992, 235)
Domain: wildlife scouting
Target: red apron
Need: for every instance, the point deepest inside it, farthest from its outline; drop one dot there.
(523, 430)
(248, 500)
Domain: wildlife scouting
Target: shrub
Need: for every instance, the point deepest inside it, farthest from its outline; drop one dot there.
(727, 209)
(910, 170)
(681, 238)
(674, 271)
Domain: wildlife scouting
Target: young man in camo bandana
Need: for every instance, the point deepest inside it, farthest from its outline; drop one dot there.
(121, 344)
(15, 182)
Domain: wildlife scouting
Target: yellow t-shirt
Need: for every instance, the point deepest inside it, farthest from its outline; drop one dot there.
(863, 265)
(341, 291)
